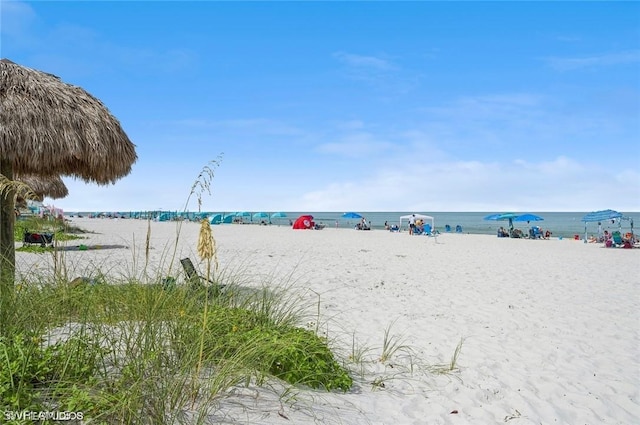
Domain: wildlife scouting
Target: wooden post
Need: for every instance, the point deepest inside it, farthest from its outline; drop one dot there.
(7, 247)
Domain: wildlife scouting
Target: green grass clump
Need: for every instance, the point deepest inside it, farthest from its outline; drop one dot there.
(293, 354)
(33, 374)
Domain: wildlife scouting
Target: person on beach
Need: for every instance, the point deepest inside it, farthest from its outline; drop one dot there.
(412, 223)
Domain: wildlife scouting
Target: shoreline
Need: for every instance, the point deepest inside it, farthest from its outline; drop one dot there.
(565, 224)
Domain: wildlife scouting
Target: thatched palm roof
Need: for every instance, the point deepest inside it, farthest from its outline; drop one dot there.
(49, 127)
(50, 187)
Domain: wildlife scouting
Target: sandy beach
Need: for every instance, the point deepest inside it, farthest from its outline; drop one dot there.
(549, 329)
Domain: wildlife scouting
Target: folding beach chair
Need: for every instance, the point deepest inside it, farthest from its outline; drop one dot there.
(196, 281)
(617, 238)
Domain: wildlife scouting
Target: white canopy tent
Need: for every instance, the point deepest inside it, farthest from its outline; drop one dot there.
(418, 216)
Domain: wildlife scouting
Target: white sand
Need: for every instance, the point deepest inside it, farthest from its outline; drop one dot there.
(550, 328)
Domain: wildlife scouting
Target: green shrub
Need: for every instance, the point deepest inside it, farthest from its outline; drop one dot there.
(34, 376)
(295, 355)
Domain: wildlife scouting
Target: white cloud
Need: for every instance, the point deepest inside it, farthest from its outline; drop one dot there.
(356, 145)
(379, 73)
(609, 59)
(17, 18)
(403, 184)
(361, 61)
(561, 184)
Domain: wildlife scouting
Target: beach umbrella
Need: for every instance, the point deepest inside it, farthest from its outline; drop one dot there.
(598, 216)
(243, 214)
(259, 216)
(351, 215)
(278, 216)
(503, 217)
(51, 128)
(528, 218)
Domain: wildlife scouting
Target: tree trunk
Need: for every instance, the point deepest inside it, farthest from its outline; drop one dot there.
(7, 247)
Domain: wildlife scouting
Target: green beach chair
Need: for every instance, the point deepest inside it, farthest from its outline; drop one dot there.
(617, 238)
(195, 280)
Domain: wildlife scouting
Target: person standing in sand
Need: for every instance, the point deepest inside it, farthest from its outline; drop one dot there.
(412, 223)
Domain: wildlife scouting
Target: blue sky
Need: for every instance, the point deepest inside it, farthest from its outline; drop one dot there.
(363, 106)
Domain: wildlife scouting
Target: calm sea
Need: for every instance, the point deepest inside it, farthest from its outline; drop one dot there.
(565, 224)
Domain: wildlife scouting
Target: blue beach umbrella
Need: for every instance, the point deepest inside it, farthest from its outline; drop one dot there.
(278, 216)
(260, 215)
(351, 215)
(528, 218)
(242, 214)
(503, 217)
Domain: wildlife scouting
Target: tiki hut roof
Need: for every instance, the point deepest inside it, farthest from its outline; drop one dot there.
(49, 127)
(50, 187)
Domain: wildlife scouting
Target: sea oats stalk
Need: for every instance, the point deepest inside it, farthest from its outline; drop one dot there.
(207, 252)
(147, 247)
(201, 185)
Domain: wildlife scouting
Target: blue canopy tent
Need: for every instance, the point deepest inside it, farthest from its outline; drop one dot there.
(599, 216)
(630, 219)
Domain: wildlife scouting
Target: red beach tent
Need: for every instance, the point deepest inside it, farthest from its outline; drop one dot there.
(304, 222)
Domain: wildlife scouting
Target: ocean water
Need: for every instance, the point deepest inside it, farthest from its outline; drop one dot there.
(565, 224)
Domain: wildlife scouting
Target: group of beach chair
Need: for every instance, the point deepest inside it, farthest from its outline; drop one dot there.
(447, 228)
(425, 230)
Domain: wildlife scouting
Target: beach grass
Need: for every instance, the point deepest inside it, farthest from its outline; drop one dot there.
(119, 352)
